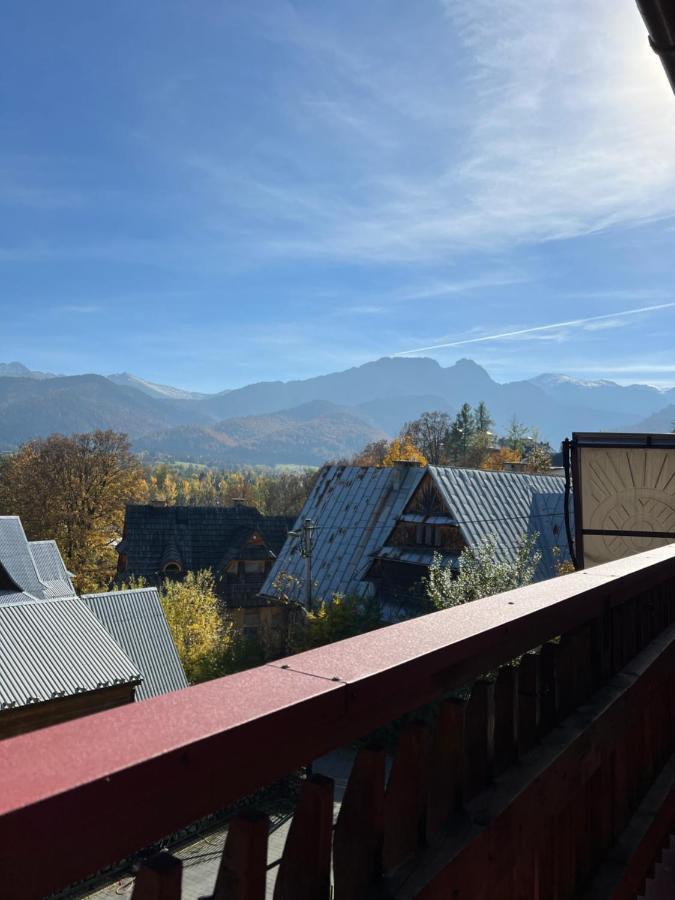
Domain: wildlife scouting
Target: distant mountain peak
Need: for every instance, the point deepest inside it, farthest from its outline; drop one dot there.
(161, 391)
(18, 370)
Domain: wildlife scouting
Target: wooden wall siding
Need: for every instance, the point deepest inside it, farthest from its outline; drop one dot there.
(62, 709)
(512, 786)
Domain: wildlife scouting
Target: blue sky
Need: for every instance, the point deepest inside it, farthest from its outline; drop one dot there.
(209, 194)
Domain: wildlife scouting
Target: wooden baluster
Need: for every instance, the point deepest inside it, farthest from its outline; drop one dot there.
(159, 878)
(304, 871)
(243, 867)
(479, 737)
(549, 686)
(359, 832)
(566, 675)
(585, 681)
(506, 718)
(528, 701)
(446, 766)
(405, 797)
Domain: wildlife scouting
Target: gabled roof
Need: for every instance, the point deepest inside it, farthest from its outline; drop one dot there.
(136, 620)
(51, 569)
(354, 509)
(198, 537)
(505, 506)
(17, 560)
(52, 648)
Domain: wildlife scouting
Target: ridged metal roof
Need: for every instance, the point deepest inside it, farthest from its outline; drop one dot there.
(16, 558)
(505, 506)
(136, 620)
(51, 569)
(51, 648)
(354, 508)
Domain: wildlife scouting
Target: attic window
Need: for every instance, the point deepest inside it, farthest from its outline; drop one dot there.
(172, 568)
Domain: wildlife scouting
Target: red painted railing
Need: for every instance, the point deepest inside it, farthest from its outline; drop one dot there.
(488, 790)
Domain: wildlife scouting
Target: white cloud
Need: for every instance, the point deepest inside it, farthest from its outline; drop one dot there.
(553, 328)
(535, 128)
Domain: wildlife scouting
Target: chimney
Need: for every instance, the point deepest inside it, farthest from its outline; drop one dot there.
(401, 467)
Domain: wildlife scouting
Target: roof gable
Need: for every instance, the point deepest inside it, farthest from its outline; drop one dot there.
(136, 620)
(354, 508)
(505, 506)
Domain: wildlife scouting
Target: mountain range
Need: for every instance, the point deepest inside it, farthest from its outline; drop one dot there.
(311, 420)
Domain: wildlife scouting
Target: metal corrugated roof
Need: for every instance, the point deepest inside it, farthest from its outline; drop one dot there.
(51, 648)
(353, 508)
(136, 621)
(16, 558)
(51, 569)
(505, 506)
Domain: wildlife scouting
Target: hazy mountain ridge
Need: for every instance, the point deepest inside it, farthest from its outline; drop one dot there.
(315, 418)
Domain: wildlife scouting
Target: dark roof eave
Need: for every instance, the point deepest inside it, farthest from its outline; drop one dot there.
(659, 17)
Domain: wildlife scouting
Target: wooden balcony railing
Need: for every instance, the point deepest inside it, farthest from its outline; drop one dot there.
(503, 749)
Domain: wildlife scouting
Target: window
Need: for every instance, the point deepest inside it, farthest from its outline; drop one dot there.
(254, 566)
(172, 569)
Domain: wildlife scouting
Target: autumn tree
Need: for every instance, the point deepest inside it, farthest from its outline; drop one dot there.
(430, 433)
(403, 450)
(74, 490)
(203, 639)
(373, 454)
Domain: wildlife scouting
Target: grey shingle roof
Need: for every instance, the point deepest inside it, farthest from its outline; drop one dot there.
(505, 506)
(198, 537)
(136, 620)
(50, 648)
(354, 509)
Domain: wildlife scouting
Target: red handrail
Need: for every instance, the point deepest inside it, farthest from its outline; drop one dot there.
(78, 796)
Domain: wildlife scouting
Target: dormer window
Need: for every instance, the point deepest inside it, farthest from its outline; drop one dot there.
(172, 569)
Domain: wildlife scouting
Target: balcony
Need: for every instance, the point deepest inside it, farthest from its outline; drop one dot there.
(516, 747)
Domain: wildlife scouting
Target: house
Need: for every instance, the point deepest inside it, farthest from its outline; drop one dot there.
(57, 661)
(64, 656)
(376, 530)
(237, 543)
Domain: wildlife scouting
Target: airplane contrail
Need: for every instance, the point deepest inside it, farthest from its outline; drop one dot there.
(508, 334)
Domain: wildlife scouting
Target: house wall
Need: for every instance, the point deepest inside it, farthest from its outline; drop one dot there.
(261, 618)
(61, 709)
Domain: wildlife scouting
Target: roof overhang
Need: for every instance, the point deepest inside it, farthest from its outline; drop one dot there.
(659, 17)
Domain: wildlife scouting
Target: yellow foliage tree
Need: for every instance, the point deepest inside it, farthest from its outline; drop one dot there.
(402, 449)
(203, 639)
(74, 490)
(495, 462)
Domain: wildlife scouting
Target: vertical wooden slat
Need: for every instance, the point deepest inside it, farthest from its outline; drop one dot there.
(359, 831)
(304, 871)
(528, 701)
(549, 686)
(506, 718)
(405, 797)
(159, 878)
(243, 867)
(565, 665)
(446, 765)
(479, 737)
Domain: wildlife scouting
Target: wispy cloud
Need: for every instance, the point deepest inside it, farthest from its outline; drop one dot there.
(535, 329)
(545, 134)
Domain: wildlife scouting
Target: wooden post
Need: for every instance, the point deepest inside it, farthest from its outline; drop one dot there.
(446, 766)
(405, 797)
(506, 718)
(159, 878)
(479, 737)
(304, 871)
(243, 866)
(528, 701)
